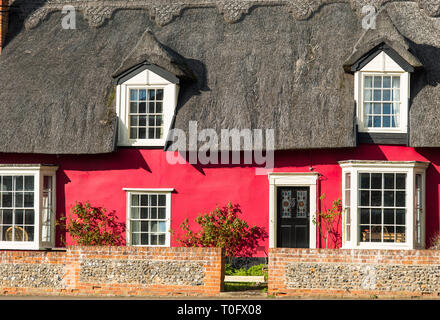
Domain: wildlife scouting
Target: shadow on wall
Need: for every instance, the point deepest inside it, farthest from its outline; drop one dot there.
(19, 11)
(430, 75)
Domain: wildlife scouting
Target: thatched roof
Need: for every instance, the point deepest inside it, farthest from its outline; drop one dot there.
(261, 68)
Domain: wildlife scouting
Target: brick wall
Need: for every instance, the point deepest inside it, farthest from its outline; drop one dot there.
(322, 272)
(113, 271)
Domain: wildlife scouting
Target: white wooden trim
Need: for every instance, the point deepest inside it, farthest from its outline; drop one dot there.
(145, 80)
(38, 172)
(411, 168)
(141, 190)
(167, 192)
(293, 179)
(383, 67)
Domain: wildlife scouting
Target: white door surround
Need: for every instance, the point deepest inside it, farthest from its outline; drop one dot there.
(291, 179)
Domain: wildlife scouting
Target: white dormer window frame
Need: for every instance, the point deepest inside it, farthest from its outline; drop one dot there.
(382, 108)
(144, 120)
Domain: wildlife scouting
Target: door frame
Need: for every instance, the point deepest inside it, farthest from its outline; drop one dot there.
(291, 179)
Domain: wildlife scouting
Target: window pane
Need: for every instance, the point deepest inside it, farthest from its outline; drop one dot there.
(364, 232)
(142, 107)
(365, 180)
(7, 183)
(151, 94)
(133, 133)
(142, 133)
(153, 213)
(133, 107)
(135, 226)
(144, 213)
(144, 200)
(162, 200)
(368, 82)
(376, 216)
(135, 200)
(29, 217)
(135, 239)
(388, 216)
(161, 239)
(400, 199)
(7, 199)
(134, 121)
(365, 198)
(161, 213)
(135, 213)
(376, 181)
(29, 183)
(151, 108)
(19, 183)
(389, 234)
(376, 198)
(388, 198)
(144, 239)
(28, 199)
(376, 234)
(133, 94)
(400, 181)
(19, 217)
(159, 94)
(400, 216)
(142, 95)
(400, 234)
(387, 82)
(159, 107)
(7, 216)
(29, 233)
(162, 227)
(368, 95)
(365, 216)
(378, 82)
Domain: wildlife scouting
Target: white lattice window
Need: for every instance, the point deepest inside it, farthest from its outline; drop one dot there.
(381, 94)
(27, 207)
(148, 217)
(146, 102)
(383, 204)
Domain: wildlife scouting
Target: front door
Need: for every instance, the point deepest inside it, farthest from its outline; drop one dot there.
(293, 217)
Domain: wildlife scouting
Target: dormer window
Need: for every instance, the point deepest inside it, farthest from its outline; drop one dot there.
(146, 113)
(382, 71)
(146, 98)
(381, 94)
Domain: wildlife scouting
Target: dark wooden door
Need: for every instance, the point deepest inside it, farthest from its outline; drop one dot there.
(293, 217)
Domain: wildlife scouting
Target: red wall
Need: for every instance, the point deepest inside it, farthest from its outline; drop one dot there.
(101, 178)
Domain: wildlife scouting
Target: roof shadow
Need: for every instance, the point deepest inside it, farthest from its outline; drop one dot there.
(19, 12)
(430, 74)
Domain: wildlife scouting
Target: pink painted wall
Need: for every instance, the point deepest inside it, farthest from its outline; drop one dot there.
(101, 178)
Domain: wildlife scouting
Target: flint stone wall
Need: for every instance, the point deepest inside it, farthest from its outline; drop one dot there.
(321, 272)
(113, 271)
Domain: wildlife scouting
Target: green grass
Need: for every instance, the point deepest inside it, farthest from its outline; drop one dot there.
(244, 286)
(252, 271)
